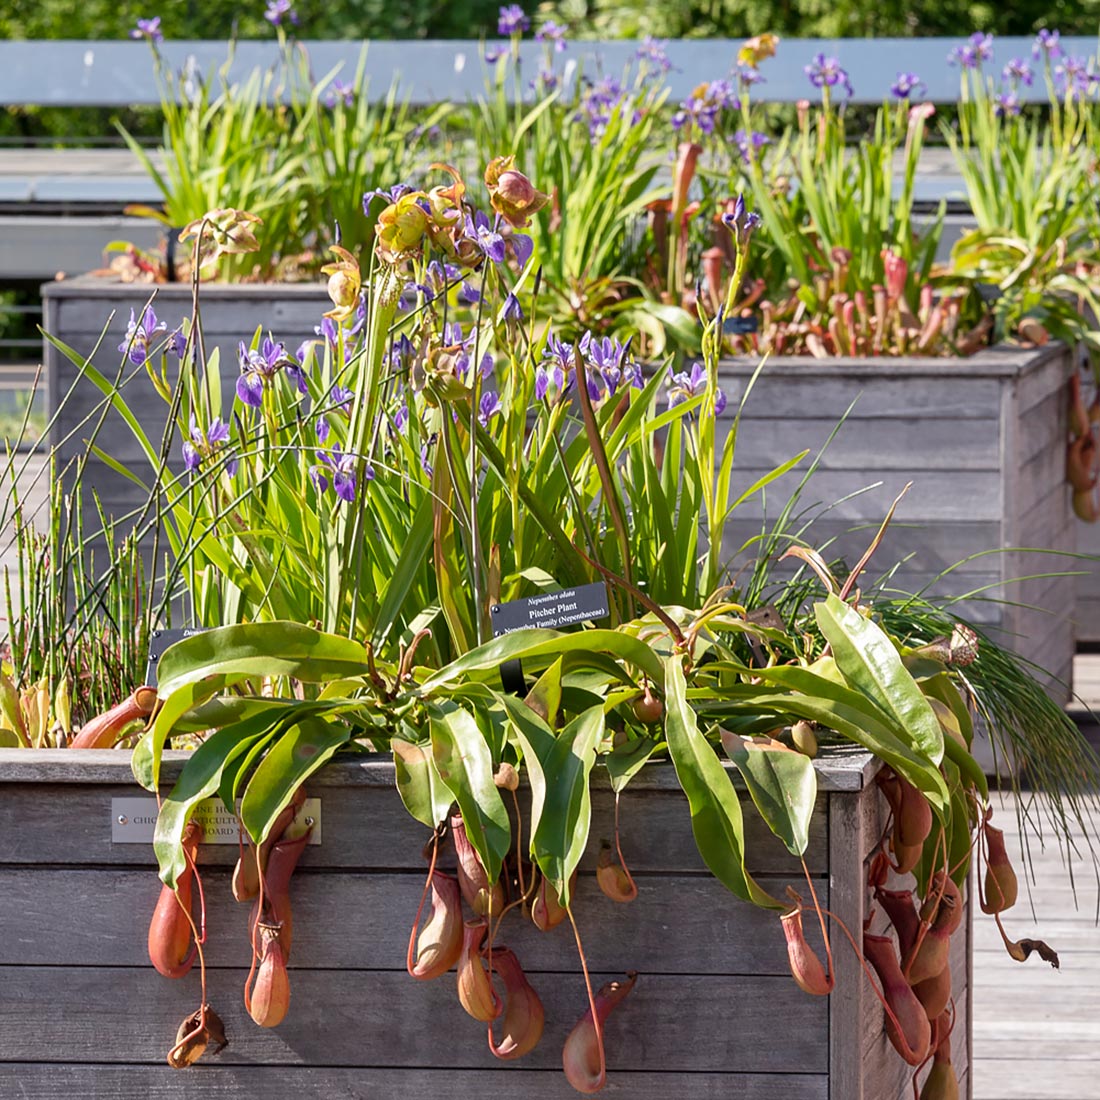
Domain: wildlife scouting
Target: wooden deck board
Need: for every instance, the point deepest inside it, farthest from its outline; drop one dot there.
(1036, 1030)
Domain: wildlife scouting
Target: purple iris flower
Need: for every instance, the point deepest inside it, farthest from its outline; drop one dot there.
(178, 343)
(402, 353)
(139, 334)
(494, 53)
(827, 72)
(978, 48)
(553, 32)
(554, 375)
(341, 398)
(512, 20)
(599, 102)
(344, 473)
(489, 407)
(513, 311)
(278, 10)
(482, 233)
(1047, 42)
(425, 455)
(304, 354)
(747, 76)
(339, 91)
(611, 363)
(468, 294)
(258, 367)
(688, 384)
(204, 443)
(148, 28)
(324, 430)
(296, 373)
(438, 279)
(741, 221)
(452, 335)
(401, 417)
(522, 248)
(906, 86)
(749, 144)
(1019, 72)
(391, 195)
(1072, 76)
(544, 81)
(703, 109)
(653, 52)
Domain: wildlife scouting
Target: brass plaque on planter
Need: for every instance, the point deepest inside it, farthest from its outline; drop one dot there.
(133, 821)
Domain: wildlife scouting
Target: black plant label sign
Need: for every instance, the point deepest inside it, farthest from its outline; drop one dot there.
(159, 641)
(552, 610)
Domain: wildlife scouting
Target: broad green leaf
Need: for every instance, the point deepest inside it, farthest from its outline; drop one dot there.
(941, 686)
(535, 741)
(146, 757)
(219, 711)
(626, 761)
(9, 739)
(260, 649)
(200, 778)
(533, 642)
(418, 782)
(302, 750)
(854, 725)
(559, 839)
(715, 808)
(969, 768)
(545, 697)
(783, 784)
(870, 662)
(466, 767)
(237, 770)
(808, 682)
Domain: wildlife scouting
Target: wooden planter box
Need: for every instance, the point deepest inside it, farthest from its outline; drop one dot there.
(715, 1013)
(983, 441)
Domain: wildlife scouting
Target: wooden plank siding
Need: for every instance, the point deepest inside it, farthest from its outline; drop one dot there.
(714, 1014)
(982, 440)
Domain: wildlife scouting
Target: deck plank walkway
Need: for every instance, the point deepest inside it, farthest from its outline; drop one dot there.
(1037, 1031)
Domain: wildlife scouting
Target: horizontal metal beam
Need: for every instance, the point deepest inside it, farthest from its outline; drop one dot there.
(61, 73)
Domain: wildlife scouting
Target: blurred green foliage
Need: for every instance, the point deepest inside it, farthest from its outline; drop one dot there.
(590, 18)
(821, 18)
(212, 19)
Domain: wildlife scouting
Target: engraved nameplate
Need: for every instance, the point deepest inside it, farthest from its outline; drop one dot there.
(133, 821)
(554, 610)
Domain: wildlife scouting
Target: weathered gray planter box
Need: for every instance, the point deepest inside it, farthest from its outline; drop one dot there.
(983, 441)
(76, 311)
(714, 1014)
